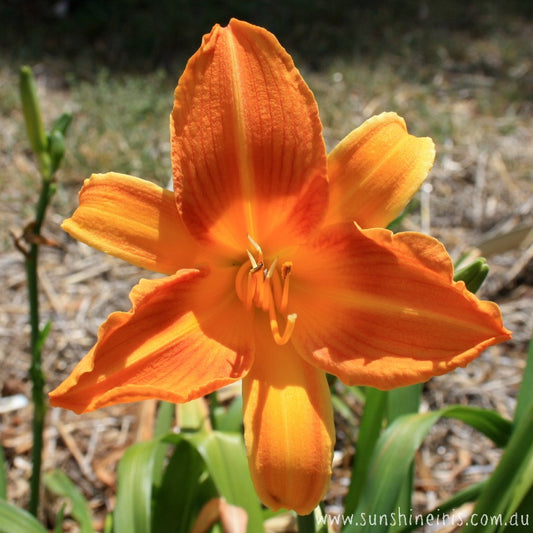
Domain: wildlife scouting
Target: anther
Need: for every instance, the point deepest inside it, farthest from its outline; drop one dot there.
(267, 289)
(286, 269)
(253, 262)
(256, 246)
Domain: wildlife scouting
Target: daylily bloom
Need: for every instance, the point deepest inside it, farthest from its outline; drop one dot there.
(277, 265)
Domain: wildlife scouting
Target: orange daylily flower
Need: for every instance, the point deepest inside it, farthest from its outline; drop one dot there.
(268, 278)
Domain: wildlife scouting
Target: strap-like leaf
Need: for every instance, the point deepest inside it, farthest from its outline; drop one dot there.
(525, 396)
(16, 520)
(181, 493)
(60, 484)
(369, 430)
(225, 458)
(512, 480)
(136, 471)
(394, 454)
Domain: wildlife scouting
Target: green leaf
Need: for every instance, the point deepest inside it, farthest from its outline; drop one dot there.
(193, 416)
(136, 471)
(165, 416)
(60, 484)
(395, 451)
(181, 493)
(512, 480)
(225, 458)
(403, 401)
(525, 396)
(390, 464)
(369, 430)
(59, 519)
(230, 418)
(490, 423)
(16, 520)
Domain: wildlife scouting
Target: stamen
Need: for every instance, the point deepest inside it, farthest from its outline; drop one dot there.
(272, 268)
(266, 294)
(253, 262)
(289, 328)
(276, 285)
(256, 246)
(286, 269)
(267, 290)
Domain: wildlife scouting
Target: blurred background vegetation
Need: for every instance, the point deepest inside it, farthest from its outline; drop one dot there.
(461, 72)
(142, 34)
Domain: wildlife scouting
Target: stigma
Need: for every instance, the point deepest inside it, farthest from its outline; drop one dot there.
(266, 287)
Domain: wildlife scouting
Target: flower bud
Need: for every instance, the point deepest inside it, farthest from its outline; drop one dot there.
(32, 112)
(473, 274)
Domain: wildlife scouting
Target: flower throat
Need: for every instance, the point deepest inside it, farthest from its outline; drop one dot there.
(267, 288)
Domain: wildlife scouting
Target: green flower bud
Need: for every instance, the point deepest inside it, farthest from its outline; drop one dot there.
(56, 149)
(62, 123)
(473, 274)
(32, 112)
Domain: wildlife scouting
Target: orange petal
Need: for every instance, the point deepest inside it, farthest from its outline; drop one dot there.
(247, 150)
(133, 219)
(376, 170)
(382, 310)
(288, 427)
(185, 336)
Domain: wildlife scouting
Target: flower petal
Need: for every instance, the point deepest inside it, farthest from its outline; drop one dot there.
(247, 150)
(132, 219)
(185, 336)
(382, 310)
(288, 427)
(376, 170)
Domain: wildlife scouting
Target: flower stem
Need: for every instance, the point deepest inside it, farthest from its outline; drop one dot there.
(306, 524)
(49, 150)
(37, 338)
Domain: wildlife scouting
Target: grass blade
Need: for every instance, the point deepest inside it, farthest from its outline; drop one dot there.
(369, 430)
(181, 493)
(512, 480)
(133, 511)
(225, 458)
(60, 484)
(394, 453)
(403, 401)
(164, 419)
(490, 423)
(390, 464)
(15, 520)
(525, 396)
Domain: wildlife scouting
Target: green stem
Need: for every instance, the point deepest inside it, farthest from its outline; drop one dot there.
(306, 524)
(36, 372)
